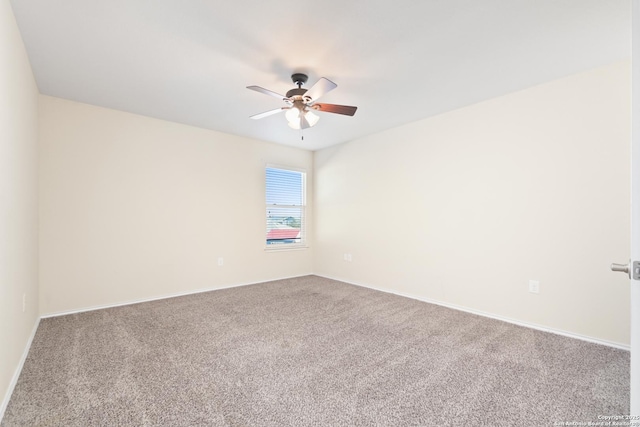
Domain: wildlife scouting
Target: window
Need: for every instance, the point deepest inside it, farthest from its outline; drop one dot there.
(285, 207)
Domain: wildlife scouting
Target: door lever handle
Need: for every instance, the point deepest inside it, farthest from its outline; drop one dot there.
(623, 268)
(631, 269)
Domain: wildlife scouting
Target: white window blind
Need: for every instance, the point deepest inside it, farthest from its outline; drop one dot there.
(285, 207)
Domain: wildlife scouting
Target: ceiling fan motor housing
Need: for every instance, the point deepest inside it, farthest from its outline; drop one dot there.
(296, 92)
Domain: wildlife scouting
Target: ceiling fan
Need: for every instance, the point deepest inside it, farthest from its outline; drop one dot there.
(300, 103)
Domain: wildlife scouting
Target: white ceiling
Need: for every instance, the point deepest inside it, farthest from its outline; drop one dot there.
(398, 61)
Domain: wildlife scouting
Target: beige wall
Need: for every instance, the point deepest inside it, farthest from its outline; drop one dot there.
(134, 208)
(18, 200)
(466, 207)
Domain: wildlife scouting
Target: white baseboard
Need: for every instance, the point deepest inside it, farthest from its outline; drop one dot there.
(165, 296)
(16, 373)
(490, 315)
(415, 297)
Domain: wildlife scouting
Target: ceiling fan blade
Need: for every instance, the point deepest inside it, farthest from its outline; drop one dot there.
(267, 92)
(267, 113)
(321, 87)
(338, 109)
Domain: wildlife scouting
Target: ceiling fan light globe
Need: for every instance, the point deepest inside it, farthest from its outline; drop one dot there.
(311, 118)
(295, 125)
(293, 115)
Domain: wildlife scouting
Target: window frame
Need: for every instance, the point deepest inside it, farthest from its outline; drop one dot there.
(303, 244)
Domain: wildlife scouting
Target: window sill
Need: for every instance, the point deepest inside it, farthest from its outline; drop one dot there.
(280, 248)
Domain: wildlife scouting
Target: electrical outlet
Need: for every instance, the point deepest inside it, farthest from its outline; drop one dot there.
(534, 286)
(220, 262)
(24, 302)
(347, 257)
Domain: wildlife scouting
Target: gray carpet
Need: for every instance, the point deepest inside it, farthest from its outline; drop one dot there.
(306, 352)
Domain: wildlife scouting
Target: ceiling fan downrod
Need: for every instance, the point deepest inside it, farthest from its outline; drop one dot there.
(299, 79)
